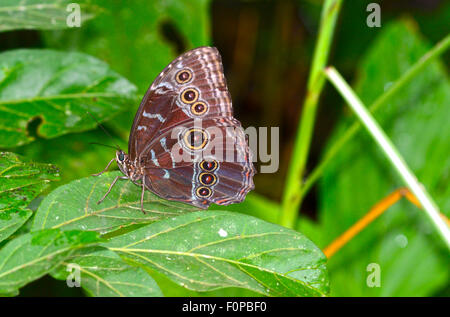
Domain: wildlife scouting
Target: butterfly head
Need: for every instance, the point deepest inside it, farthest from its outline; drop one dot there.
(124, 163)
(120, 156)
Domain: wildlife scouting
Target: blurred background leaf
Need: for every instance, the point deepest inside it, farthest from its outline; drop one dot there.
(20, 183)
(152, 34)
(53, 91)
(257, 206)
(40, 14)
(412, 258)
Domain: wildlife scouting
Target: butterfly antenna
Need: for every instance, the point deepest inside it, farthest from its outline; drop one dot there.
(106, 145)
(106, 132)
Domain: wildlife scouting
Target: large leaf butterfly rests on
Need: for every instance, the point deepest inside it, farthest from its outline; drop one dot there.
(185, 145)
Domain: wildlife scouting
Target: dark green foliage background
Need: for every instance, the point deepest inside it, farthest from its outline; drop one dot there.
(266, 48)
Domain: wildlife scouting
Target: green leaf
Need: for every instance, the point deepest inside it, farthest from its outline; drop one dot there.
(32, 255)
(41, 14)
(142, 50)
(191, 18)
(171, 289)
(10, 222)
(209, 250)
(74, 206)
(416, 120)
(57, 89)
(103, 273)
(20, 183)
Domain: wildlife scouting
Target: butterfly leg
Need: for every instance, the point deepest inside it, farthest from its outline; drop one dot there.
(106, 168)
(142, 195)
(110, 187)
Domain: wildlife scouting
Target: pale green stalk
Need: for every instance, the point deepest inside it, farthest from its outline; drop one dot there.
(391, 152)
(293, 186)
(419, 66)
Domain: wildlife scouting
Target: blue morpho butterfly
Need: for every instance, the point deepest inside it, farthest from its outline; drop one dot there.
(190, 89)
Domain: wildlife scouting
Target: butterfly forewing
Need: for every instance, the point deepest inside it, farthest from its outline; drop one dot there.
(162, 106)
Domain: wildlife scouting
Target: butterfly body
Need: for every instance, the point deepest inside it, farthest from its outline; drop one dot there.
(185, 145)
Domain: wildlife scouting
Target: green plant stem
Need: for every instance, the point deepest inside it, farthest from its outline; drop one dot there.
(431, 55)
(390, 151)
(292, 191)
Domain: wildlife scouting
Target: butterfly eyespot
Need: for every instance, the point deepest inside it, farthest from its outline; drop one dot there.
(199, 108)
(203, 192)
(189, 95)
(195, 139)
(207, 179)
(183, 76)
(209, 165)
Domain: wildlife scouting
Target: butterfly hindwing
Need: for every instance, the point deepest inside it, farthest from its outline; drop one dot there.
(217, 169)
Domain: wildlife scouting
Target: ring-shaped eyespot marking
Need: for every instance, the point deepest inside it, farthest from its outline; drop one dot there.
(207, 179)
(199, 108)
(189, 95)
(209, 166)
(195, 139)
(203, 192)
(183, 76)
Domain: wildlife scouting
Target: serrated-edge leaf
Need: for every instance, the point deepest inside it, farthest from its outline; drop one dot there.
(20, 183)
